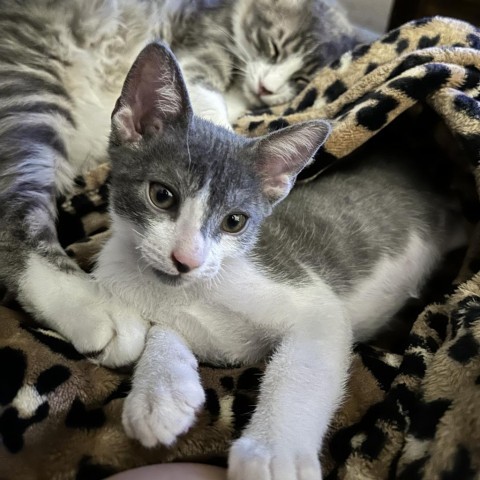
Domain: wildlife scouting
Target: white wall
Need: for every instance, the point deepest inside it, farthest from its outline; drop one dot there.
(372, 14)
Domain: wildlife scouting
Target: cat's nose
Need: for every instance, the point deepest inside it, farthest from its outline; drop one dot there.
(184, 263)
(263, 90)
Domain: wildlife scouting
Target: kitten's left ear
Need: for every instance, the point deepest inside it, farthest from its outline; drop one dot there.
(283, 154)
(153, 96)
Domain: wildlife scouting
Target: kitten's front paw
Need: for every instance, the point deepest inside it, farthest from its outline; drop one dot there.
(127, 342)
(79, 309)
(217, 120)
(251, 459)
(113, 335)
(157, 413)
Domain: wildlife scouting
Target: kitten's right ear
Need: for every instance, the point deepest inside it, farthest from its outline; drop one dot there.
(153, 96)
(284, 153)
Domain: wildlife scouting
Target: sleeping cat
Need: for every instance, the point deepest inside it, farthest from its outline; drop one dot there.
(62, 65)
(226, 269)
(265, 52)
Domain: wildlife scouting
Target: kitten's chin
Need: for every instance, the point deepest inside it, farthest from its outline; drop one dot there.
(168, 279)
(184, 279)
(174, 280)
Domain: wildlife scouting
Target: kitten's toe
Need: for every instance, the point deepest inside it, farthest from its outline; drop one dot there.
(127, 343)
(251, 459)
(136, 424)
(159, 414)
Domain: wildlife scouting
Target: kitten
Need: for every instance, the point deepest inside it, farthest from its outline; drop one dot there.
(264, 52)
(224, 271)
(62, 65)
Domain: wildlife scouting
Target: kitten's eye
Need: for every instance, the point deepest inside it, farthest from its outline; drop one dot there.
(161, 196)
(234, 223)
(302, 81)
(274, 52)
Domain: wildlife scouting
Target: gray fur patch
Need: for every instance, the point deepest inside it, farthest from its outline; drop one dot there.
(339, 225)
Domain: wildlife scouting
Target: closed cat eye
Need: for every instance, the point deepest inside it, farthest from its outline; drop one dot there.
(302, 81)
(275, 53)
(161, 196)
(234, 223)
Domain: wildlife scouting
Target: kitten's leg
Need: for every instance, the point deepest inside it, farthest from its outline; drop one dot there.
(207, 75)
(35, 268)
(166, 391)
(66, 299)
(237, 105)
(301, 389)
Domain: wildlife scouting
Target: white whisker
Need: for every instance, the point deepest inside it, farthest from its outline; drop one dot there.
(235, 44)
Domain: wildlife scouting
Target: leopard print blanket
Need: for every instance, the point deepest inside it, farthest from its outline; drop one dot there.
(413, 405)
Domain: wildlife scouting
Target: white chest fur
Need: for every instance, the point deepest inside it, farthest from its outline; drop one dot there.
(243, 316)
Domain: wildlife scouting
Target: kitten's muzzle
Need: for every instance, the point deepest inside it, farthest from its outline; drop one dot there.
(262, 90)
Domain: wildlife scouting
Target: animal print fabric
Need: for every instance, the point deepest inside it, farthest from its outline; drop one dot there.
(413, 405)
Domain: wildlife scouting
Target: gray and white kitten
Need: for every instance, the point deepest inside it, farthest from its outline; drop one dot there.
(264, 52)
(62, 66)
(204, 248)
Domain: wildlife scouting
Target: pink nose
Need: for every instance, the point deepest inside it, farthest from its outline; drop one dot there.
(262, 90)
(184, 262)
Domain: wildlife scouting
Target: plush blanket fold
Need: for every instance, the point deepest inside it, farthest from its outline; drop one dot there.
(413, 406)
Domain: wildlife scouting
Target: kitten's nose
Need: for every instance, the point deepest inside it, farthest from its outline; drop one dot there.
(262, 90)
(184, 263)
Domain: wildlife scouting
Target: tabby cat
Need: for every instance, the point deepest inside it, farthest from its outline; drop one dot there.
(62, 65)
(204, 249)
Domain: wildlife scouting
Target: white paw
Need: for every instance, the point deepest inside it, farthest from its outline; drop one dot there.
(78, 308)
(157, 412)
(251, 459)
(219, 120)
(210, 105)
(128, 340)
(113, 333)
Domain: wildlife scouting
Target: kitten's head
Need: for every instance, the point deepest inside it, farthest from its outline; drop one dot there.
(187, 194)
(281, 44)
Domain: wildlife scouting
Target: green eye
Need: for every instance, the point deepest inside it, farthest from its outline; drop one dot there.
(161, 196)
(234, 223)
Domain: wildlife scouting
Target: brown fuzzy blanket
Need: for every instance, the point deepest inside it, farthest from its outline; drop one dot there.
(413, 404)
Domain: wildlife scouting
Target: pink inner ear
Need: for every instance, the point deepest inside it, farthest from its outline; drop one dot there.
(153, 95)
(153, 127)
(277, 186)
(125, 124)
(285, 153)
(282, 157)
(144, 99)
(140, 113)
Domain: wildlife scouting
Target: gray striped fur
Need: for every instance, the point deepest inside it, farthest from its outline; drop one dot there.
(62, 64)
